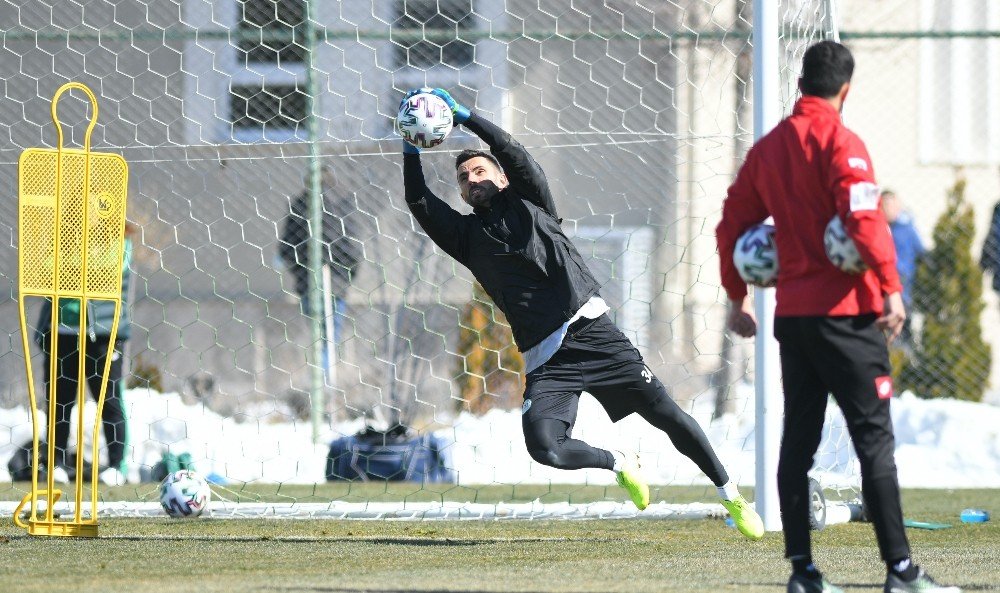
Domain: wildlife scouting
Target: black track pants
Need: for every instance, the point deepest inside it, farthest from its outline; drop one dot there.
(848, 358)
(113, 414)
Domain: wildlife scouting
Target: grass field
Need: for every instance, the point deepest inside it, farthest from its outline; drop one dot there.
(205, 555)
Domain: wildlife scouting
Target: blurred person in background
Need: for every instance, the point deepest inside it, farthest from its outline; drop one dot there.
(909, 249)
(100, 317)
(989, 261)
(339, 252)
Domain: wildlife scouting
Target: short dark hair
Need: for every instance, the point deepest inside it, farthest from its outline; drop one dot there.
(470, 153)
(826, 66)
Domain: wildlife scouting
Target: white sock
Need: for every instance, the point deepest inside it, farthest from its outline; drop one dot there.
(619, 458)
(728, 491)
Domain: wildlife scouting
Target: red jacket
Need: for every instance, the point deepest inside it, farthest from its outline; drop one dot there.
(808, 168)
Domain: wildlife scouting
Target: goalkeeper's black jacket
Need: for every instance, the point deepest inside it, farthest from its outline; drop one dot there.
(516, 249)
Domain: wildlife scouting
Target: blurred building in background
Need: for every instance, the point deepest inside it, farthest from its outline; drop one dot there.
(639, 112)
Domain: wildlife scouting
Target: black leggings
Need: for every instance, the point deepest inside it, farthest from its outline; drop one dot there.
(549, 442)
(687, 437)
(113, 413)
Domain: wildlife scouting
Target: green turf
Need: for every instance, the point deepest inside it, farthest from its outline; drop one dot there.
(398, 491)
(162, 555)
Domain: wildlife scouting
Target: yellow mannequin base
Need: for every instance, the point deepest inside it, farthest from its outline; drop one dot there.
(57, 529)
(53, 528)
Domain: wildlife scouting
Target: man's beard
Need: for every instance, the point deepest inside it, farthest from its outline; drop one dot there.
(481, 194)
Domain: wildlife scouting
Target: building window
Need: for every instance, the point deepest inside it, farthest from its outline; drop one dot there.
(428, 33)
(267, 100)
(268, 107)
(246, 70)
(271, 31)
(958, 84)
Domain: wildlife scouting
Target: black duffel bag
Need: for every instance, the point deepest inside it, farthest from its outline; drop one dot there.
(392, 455)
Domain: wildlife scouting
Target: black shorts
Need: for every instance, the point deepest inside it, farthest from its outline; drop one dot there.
(598, 358)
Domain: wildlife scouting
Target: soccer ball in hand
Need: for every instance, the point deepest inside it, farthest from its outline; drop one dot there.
(840, 248)
(756, 256)
(424, 120)
(184, 494)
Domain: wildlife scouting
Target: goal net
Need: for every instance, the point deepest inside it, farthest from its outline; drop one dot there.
(247, 122)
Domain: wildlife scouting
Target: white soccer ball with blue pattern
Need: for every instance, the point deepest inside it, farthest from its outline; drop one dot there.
(185, 494)
(424, 120)
(840, 248)
(756, 256)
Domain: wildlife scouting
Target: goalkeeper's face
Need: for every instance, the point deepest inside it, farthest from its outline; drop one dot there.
(479, 180)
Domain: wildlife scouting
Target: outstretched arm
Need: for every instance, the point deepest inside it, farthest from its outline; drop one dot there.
(439, 220)
(524, 174)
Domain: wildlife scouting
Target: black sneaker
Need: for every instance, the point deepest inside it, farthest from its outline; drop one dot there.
(802, 584)
(922, 584)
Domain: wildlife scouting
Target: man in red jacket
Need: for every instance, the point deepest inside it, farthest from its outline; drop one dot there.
(832, 326)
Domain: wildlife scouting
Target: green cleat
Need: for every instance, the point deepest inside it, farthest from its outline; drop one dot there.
(922, 584)
(746, 519)
(631, 480)
(802, 584)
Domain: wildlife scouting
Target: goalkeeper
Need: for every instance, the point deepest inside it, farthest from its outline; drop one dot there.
(514, 245)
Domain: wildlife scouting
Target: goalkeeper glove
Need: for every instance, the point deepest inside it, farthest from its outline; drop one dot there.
(460, 112)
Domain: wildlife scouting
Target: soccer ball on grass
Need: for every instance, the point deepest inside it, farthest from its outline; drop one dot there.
(184, 494)
(424, 120)
(756, 256)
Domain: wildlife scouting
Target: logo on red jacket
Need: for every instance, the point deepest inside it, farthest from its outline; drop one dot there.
(883, 386)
